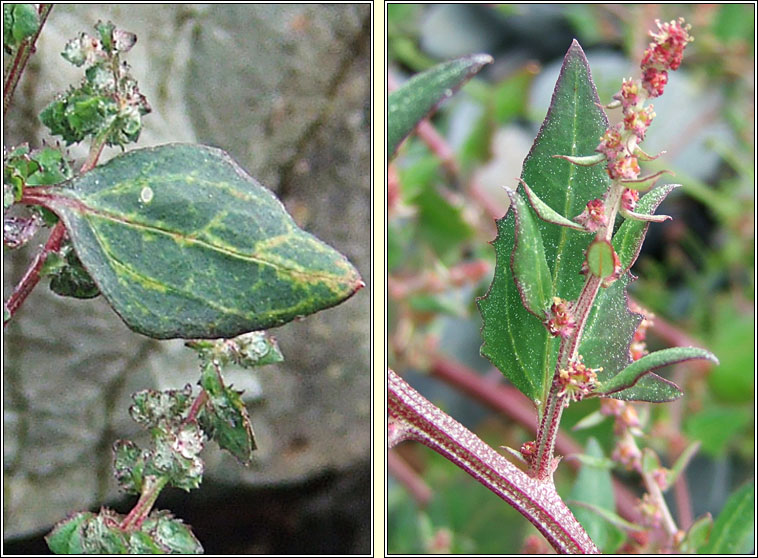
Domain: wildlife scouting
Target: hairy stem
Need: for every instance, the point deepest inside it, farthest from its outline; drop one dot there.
(542, 465)
(412, 417)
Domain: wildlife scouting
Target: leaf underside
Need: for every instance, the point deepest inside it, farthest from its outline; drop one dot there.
(183, 243)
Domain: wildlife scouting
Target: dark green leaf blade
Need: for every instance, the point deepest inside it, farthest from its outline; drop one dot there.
(183, 243)
(528, 263)
(414, 100)
(514, 340)
(630, 375)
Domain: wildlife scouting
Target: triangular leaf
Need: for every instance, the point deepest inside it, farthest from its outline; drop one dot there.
(547, 213)
(183, 243)
(420, 95)
(515, 341)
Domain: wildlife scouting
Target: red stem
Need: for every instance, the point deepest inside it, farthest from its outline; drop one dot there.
(536, 500)
(32, 275)
(514, 404)
(25, 51)
(405, 475)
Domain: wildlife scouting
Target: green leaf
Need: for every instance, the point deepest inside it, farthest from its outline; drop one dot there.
(415, 99)
(716, 426)
(515, 341)
(87, 533)
(593, 487)
(225, 417)
(697, 535)
(128, 466)
(651, 388)
(183, 243)
(171, 533)
(547, 213)
(440, 223)
(637, 369)
(20, 21)
(66, 537)
(68, 277)
(159, 408)
(733, 530)
(175, 455)
(248, 350)
(143, 543)
(600, 259)
(628, 239)
(528, 265)
(681, 462)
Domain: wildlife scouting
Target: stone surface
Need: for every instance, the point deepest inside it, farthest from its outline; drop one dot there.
(285, 89)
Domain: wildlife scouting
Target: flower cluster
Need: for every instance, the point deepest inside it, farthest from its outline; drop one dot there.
(593, 217)
(638, 348)
(528, 451)
(560, 318)
(619, 144)
(577, 380)
(664, 53)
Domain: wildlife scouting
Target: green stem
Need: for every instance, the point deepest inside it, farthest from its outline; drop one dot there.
(22, 57)
(150, 490)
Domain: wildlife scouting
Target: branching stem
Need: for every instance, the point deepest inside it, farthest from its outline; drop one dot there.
(412, 417)
(150, 491)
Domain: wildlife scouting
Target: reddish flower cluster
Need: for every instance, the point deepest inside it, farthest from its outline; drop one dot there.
(528, 451)
(629, 199)
(560, 319)
(620, 142)
(665, 53)
(638, 347)
(577, 380)
(593, 217)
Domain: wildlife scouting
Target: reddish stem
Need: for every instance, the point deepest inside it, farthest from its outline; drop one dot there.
(197, 405)
(150, 490)
(514, 404)
(23, 54)
(405, 475)
(413, 417)
(32, 275)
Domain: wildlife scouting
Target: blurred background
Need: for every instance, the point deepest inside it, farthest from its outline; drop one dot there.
(696, 272)
(285, 89)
